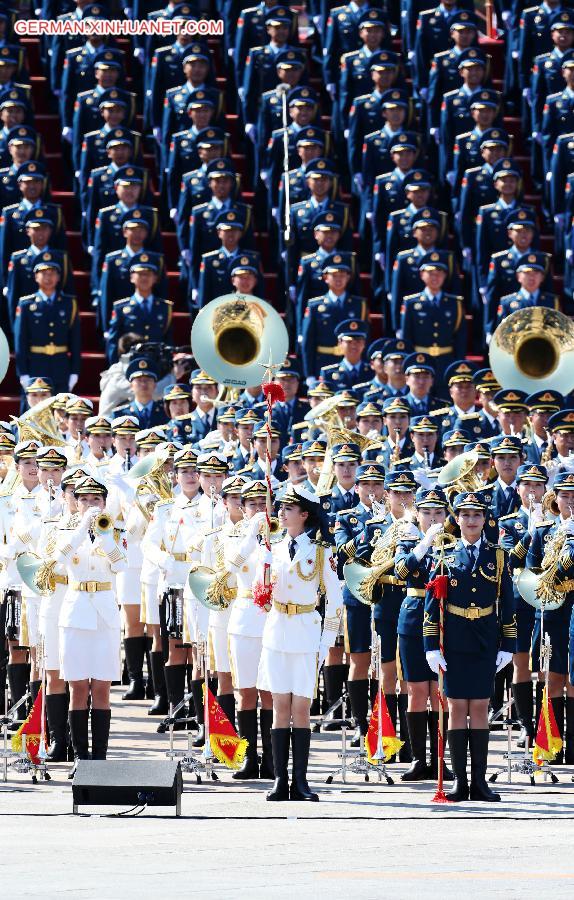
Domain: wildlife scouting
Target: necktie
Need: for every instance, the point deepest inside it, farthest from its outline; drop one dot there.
(472, 551)
(292, 548)
(348, 498)
(145, 417)
(510, 494)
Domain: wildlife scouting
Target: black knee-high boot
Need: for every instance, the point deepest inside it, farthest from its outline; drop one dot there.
(175, 687)
(334, 678)
(522, 691)
(392, 704)
(227, 703)
(300, 745)
(558, 707)
(417, 725)
(539, 693)
(18, 682)
(359, 699)
(149, 685)
(247, 719)
(266, 769)
(280, 740)
(134, 648)
(433, 739)
(479, 789)
(34, 691)
(101, 719)
(406, 752)
(160, 706)
(197, 694)
(457, 744)
(78, 721)
(569, 734)
(497, 699)
(57, 715)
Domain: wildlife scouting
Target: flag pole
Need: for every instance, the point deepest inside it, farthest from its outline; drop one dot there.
(440, 796)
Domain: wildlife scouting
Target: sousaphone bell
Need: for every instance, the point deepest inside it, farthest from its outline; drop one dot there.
(532, 349)
(235, 336)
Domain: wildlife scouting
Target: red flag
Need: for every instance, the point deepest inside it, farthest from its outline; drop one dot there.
(548, 742)
(227, 747)
(32, 728)
(391, 743)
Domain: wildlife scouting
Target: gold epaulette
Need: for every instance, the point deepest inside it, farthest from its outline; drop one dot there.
(164, 503)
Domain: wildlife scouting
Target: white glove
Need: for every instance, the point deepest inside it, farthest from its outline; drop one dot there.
(506, 15)
(559, 219)
(346, 133)
(488, 338)
(251, 132)
(86, 519)
(90, 249)
(435, 133)
(292, 293)
(241, 92)
(72, 382)
(264, 176)
(536, 517)
(67, 134)
(317, 23)
(427, 541)
(24, 381)
(527, 95)
(139, 54)
(358, 179)
(502, 659)
(256, 522)
(435, 661)
(173, 214)
(515, 54)
(157, 134)
(467, 254)
(194, 294)
(451, 177)
(275, 213)
(369, 216)
(332, 91)
(569, 525)
(186, 256)
(423, 93)
(537, 137)
(422, 479)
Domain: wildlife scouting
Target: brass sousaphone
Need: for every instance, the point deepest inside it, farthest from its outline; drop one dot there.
(235, 336)
(533, 349)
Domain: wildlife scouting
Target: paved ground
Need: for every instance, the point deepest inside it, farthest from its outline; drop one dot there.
(361, 840)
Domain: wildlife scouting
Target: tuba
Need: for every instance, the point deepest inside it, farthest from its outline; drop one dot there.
(544, 590)
(534, 348)
(362, 577)
(235, 336)
(214, 588)
(38, 424)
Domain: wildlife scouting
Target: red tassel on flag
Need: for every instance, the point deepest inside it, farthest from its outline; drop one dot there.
(439, 587)
(32, 728)
(391, 743)
(273, 392)
(227, 747)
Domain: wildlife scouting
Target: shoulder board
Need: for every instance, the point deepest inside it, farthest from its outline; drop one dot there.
(508, 516)
(468, 416)
(412, 296)
(26, 298)
(124, 300)
(499, 253)
(164, 503)
(211, 530)
(547, 524)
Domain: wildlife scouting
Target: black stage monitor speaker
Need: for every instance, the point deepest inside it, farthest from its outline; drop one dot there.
(128, 782)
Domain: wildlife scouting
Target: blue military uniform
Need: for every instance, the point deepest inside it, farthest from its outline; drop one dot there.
(436, 327)
(47, 337)
(183, 156)
(349, 525)
(533, 39)
(216, 269)
(87, 117)
(522, 300)
(477, 189)
(367, 125)
(21, 280)
(148, 418)
(505, 499)
(344, 376)
(78, 79)
(432, 36)
(252, 32)
(303, 218)
(260, 74)
(492, 232)
(557, 119)
(100, 193)
(115, 281)
(406, 278)
(322, 316)
(513, 528)
(342, 35)
(389, 187)
(444, 72)
(108, 234)
(193, 186)
(502, 280)
(203, 234)
(61, 43)
(355, 77)
(176, 104)
(310, 278)
(399, 236)
(456, 119)
(13, 229)
(166, 73)
(151, 318)
(93, 152)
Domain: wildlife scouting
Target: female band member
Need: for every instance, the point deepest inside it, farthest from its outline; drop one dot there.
(90, 624)
(479, 640)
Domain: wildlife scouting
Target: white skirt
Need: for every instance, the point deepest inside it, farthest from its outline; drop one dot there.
(128, 587)
(149, 607)
(29, 633)
(288, 673)
(218, 653)
(51, 635)
(197, 620)
(244, 655)
(90, 654)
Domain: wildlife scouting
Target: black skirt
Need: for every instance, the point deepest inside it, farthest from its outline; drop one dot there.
(469, 676)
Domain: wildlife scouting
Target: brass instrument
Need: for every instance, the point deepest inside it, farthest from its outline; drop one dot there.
(235, 336)
(101, 523)
(396, 454)
(37, 574)
(38, 424)
(531, 347)
(153, 483)
(362, 577)
(546, 455)
(549, 505)
(541, 589)
(276, 533)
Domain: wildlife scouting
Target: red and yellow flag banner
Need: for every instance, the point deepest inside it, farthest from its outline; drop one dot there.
(391, 743)
(225, 743)
(548, 742)
(32, 728)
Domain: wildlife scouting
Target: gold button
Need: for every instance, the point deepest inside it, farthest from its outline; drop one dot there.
(474, 592)
(51, 324)
(290, 586)
(436, 324)
(474, 574)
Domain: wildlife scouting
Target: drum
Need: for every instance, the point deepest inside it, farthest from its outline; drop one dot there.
(174, 612)
(13, 600)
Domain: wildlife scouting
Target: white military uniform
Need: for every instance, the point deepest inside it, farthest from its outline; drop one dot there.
(21, 523)
(294, 647)
(246, 622)
(51, 605)
(90, 624)
(213, 555)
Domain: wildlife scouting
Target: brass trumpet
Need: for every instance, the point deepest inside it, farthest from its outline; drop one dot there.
(276, 533)
(101, 523)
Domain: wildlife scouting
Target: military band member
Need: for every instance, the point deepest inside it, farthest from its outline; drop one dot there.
(90, 627)
(349, 524)
(556, 621)
(531, 481)
(245, 630)
(507, 457)
(479, 640)
(294, 645)
(388, 593)
(413, 561)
